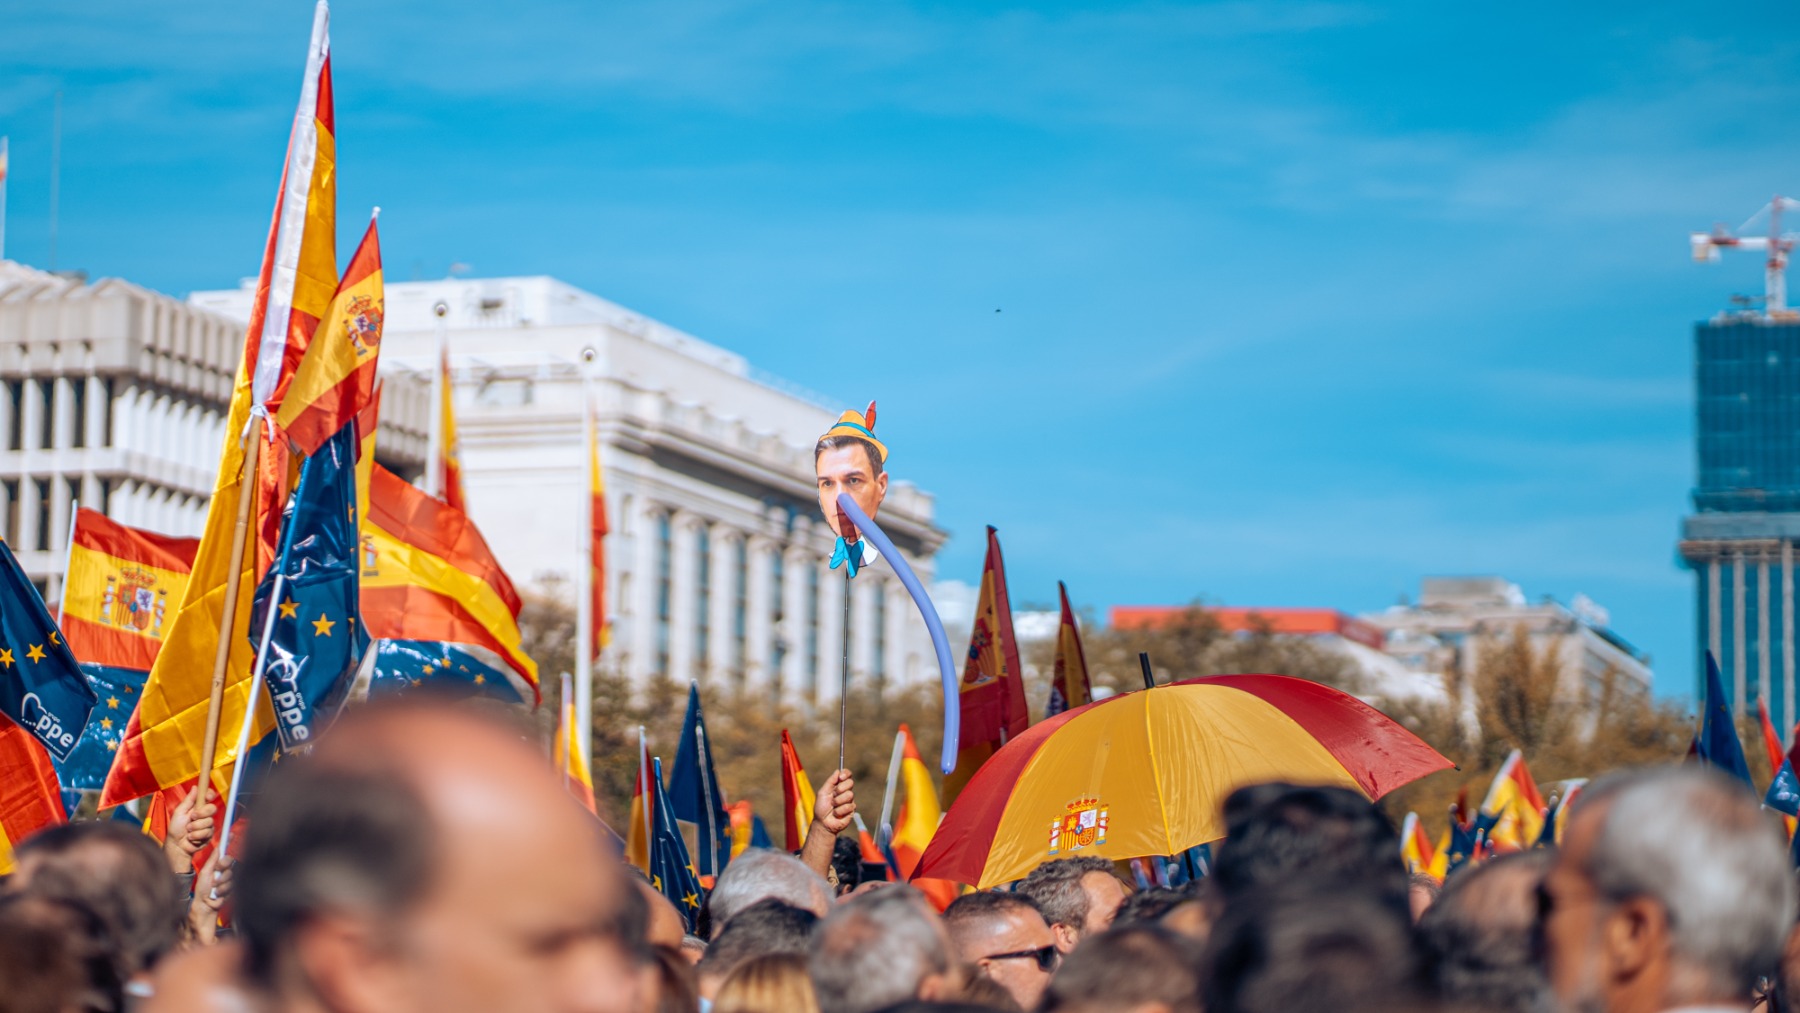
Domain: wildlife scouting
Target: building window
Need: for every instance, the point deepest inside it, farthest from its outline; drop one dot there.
(740, 602)
(879, 621)
(703, 599)
(78, 401)
(42, 489)
(662, 592)
(13, 511)
(15, 422)
(46, 421)
(778, 647)
(73, 485)
(106, 412)
(106, 491)
(812, 629)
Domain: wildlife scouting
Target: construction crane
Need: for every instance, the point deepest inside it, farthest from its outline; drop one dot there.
(1778, 244)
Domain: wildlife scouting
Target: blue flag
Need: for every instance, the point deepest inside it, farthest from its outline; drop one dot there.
(400, 666)
(759, 836)
(694, 789)
(671, 871)
(117, 690)
(1718, 741)
(318, 636)
(1784, 791)
(41, 685)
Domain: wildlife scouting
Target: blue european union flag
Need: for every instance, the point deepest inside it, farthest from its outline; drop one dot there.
(400, 666)
(671, 870)
(117, 690)
(694, 788)
(318, 637)
(41, 685)
(1718, 742)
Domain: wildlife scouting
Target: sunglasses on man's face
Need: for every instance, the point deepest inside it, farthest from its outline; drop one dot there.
(1046, 956)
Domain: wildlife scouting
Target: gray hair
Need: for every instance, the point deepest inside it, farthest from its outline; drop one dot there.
(877, 950)
(1695, 841)
(1479, 938)
(1056, 887)
(760, 873)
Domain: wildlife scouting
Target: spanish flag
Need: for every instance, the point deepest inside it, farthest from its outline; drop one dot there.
(165, 738)
(993, 687)
(797, 795)
(1514, 808)
(122, 590)
(1415, 848)
(643, 809)
(336, 376)
(429, 575)
(571, 759)
(597, 529)
(29, 796)
(917, 822)
(1069, 683)
(450, 464)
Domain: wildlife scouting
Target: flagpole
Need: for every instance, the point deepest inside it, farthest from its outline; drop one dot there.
(584, 589)
(887, 800)
(704, 757)
(648, 796)
(271, 610)
(844, 671)
(62, 596)
(215, 701)
(434, 469)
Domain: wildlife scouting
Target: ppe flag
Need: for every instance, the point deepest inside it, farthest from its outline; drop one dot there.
(117, 690)
(1784, 792)
(671, 871)
(317, 636)
(29, 798)
(797, 795)
(1069, 683)
(399, 666)
(1718, 743)
(41, 685)
(122, 590)
(992, 699)
(694, 789)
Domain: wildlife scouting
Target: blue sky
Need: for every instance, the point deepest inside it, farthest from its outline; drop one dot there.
(1297, 302)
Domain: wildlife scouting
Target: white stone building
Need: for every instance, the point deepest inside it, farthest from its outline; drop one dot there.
(717, 557)
(114, 396)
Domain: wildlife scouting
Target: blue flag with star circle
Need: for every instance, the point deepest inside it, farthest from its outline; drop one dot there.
(671, 870)
(117, 690)
(318, 637)
(41, 685)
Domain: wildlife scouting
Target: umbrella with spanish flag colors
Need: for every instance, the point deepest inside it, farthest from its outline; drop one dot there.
(1145, 773)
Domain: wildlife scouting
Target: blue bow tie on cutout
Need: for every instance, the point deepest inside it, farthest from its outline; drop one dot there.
(842, 555)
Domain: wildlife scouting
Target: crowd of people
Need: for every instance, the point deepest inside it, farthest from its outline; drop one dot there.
(426, 857)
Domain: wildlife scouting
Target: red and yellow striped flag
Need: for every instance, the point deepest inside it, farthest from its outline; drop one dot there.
(450, 464)
(121, 591)
(429, 575)
(643, 810)
(597, 529)
(571, 758)
(917, 822)
(797, 795)
(1069, 683)
(993, 686)
(336, 376)
(30, 798)
(165, 737)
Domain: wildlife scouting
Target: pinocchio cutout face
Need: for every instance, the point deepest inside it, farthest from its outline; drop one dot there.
(848, 467)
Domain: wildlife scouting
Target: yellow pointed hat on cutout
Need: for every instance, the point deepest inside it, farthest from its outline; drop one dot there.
(860, 425)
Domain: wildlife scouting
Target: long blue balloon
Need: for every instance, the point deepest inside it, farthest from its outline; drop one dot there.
(928, 612)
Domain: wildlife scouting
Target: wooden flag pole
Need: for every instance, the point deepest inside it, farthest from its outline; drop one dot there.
(222, 656)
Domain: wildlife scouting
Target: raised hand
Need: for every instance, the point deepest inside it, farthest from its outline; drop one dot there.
(190, 828)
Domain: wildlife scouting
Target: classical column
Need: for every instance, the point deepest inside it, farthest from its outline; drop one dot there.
(792, 629)
(1762, 632)
(683, 569)
(722, 574)
(759, 634)
(831, 631)
(897, 621)
(1739, 671)
(643, 597)
(868, 586)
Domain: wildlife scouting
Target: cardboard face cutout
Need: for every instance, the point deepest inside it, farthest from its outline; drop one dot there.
(849, 460)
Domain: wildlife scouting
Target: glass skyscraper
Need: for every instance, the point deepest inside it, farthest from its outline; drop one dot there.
(1740, 539)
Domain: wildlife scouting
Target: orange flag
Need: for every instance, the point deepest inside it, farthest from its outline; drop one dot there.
(796, 793)
(597, 529)
(450, 464)
(1771, 739)
(571, 759)
(336, 376)
(30, 798)
(993, 688)
(917, 822)
(643, 809)
(1069, 683)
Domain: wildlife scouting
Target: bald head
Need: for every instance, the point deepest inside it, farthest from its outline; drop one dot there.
(425, 856)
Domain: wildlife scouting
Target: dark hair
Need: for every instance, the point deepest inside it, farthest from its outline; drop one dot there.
(838, 442)
(987, 902)
(765, 927)
(56, 954)
(1147, 906)
(116, 872)
(846, 861)
(1295, 949)
(1479, 939)
(1330, 838)
(1127, 967)
(676, 989)
(1056, 887)
(329, 839)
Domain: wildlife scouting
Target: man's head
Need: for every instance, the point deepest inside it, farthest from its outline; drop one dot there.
(765, 928)
(1077, 896)
(1138, 968)
(1005, 937)
(1671, 888)
(760, 873)
(1478, 938)
(390, 872)
(879, 949)
(1291, 948)
(115, 871)
(1328, 837)
(849, 459)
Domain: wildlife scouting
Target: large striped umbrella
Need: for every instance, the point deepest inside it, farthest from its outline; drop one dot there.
(1145, 773)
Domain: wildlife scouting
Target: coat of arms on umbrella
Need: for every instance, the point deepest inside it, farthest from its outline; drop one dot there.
(1082, 825)
(132, 601)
